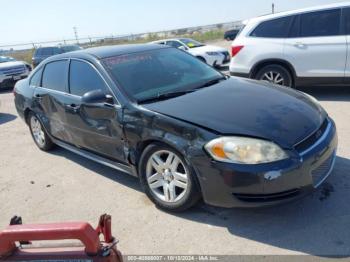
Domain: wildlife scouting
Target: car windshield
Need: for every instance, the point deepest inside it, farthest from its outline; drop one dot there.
(4, 59)
(70, 48)
(191, 43)
(151, 74)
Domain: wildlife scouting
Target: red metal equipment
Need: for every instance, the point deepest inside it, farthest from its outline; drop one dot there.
(93, 249)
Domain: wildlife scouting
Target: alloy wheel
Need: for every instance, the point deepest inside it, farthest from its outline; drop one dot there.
(273, 77)
(38, 132)
(167, 176)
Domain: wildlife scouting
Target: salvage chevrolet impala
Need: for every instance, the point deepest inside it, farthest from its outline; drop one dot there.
(187, 131)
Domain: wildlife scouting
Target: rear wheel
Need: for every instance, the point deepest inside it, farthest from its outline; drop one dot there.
(41, 139)
(275, 74)
(167, 178)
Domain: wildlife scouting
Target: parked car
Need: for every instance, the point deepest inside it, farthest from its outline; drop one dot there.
(186, 130)
(12, 70)
(296, 48)
(69, 48)
(212, 55)
(231, 34)
(42, 53)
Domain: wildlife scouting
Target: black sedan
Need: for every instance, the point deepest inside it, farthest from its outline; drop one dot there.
(183, 128)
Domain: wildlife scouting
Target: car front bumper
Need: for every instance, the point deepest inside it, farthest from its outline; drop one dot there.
(7, 81)
(222, 59)
(233, 185)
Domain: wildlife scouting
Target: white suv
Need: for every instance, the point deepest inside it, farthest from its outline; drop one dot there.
(296, 48)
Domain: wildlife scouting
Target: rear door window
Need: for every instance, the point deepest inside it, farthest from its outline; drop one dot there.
(84, 78)
(276, 28)
(346, 20)
(321, 23)
(55, 75)
(295, 27)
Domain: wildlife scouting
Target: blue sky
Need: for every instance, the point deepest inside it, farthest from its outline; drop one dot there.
(40, 20)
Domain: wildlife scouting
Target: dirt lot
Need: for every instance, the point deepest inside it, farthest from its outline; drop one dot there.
(61, 186)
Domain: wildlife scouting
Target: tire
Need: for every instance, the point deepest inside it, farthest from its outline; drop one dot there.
(39, 135)
(154, 183)
(275, 74)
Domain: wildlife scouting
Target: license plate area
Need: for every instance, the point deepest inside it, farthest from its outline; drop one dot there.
(16, 78)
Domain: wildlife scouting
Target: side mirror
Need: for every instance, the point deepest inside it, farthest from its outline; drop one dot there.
(183, 48)
(96, 97)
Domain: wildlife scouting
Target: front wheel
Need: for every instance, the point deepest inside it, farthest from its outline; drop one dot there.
(275, 74)
(167, 178)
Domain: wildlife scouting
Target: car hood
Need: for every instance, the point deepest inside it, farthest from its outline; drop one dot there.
(247, 108)
(207, 48)
(10, 64)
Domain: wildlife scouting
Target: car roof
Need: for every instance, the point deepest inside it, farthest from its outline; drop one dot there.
(109, 51)
(297, 11)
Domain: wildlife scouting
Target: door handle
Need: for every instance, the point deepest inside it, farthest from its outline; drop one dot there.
(73, 107)
(38, 97)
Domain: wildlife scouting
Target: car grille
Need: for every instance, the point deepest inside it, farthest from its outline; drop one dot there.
(267, 197)
(311, 140)
(321, 172)
(17, 70)
(227, 57)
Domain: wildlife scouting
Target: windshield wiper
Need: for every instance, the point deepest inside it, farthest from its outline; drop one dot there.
(163, 96)
(211, 82)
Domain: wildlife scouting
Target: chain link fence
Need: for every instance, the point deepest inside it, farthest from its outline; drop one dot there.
(24, 51)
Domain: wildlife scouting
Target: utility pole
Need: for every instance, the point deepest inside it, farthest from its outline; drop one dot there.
(90, 40)
(76, 33)
(273, 8)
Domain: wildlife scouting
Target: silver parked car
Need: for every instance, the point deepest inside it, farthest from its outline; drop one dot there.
(12, 70)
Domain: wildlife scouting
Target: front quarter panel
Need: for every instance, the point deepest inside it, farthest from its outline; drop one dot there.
(143, 127)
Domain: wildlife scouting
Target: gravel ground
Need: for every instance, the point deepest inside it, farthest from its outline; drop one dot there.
(61, 186)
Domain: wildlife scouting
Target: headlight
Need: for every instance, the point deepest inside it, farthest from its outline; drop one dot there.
(212, 53)
(244, 150)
